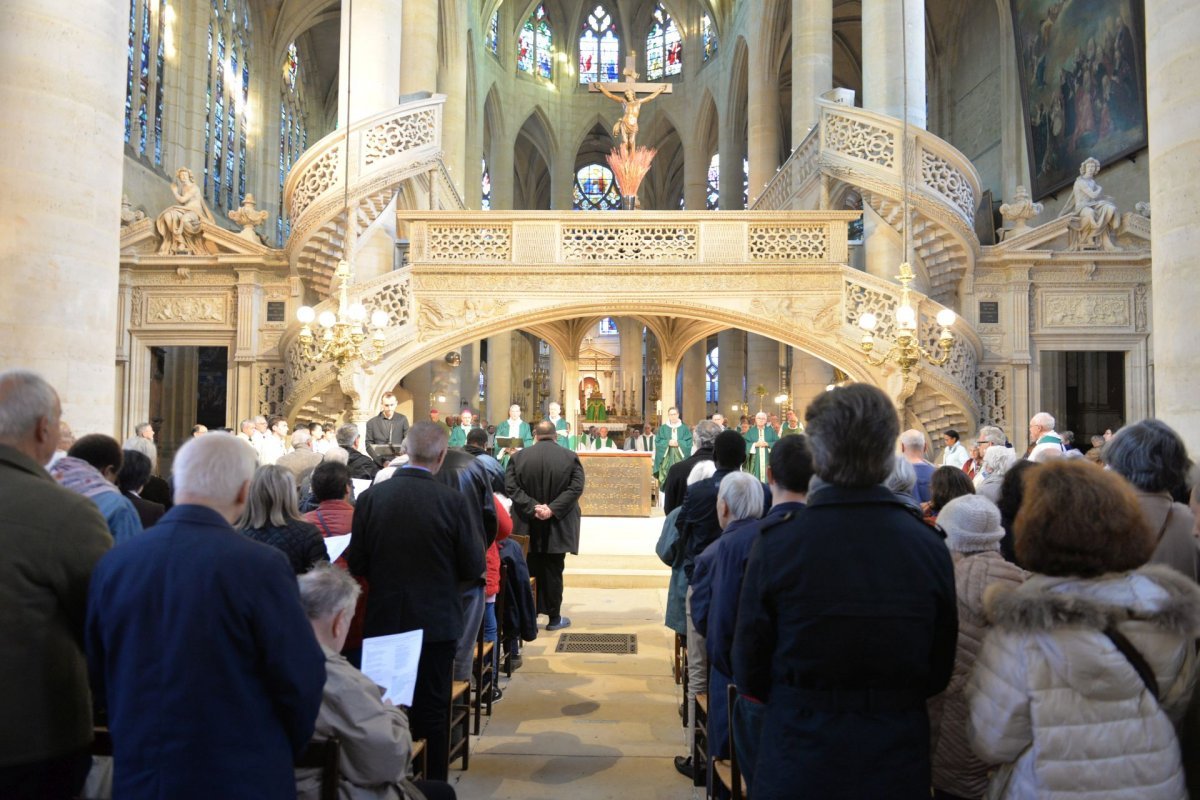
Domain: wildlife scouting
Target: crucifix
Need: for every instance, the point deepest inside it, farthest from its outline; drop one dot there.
(626, 93)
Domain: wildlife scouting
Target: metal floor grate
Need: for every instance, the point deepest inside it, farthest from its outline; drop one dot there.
(616, 643)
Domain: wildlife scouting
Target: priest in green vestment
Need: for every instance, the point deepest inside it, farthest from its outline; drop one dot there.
(554, 415)
(791, 425)
(512, 428)
(759, 440)
(672, 444)
(458, 434)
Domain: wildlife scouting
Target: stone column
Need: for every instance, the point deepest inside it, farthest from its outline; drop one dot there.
(763, 129)
(691, 366)
(810, 376)
(369, 72)
(452, 82)
(61, 165)
(499, 377)
(695, 175)
(1173, 102)
(468, 378)
(762, 369)
(562, 181)
(812, 62)
(731, 371)
(670, 368)
(418, 383)
(500, 167)
(558, 382)
(893, 44)
(630, 333)
(419, 59)
(732, 148)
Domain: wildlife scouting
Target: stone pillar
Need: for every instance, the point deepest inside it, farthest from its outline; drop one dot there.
(419, 59)
(500, 167)
(883, 246)
(444, 384)
(499, 377)
(630, 333)
(468, 378)
(418, 383)
(1173, 100)
(691, 366)
(893, 44)
(369, 72)
(452, 82)
(810, 376)
(763, 130)
(812, 62)
(695, 175)
(61, 164)
(762, 369)
(670, 368)
(731, 371)
(562, 181)
(732, 148)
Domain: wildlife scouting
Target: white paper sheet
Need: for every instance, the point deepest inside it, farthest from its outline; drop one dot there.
(336, 545)
(391, 661)
(360, 485)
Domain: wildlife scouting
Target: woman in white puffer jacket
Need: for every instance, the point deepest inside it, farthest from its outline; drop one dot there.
(1052, 697)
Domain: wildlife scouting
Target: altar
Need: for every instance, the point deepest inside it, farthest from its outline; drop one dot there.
(617, 483)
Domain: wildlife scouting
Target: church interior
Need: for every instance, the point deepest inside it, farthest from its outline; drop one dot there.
(218, 209)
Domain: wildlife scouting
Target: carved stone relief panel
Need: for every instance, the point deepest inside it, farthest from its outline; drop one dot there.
(190, 309)
(991, 390)
(1094, 310)
(270, 390)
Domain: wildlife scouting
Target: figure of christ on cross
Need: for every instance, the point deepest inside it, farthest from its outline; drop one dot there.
(626, 93)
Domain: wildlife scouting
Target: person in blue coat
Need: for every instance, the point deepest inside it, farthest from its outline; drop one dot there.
(199, 648)
(847, 620)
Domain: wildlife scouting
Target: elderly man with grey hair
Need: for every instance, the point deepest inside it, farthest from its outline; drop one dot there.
(219, 614)
(997, 461)
(903, 479)
(847, 621)
(301, 461)
(674, 488)
(51, 538)
(376, 746)
(1047, 443)
(362, 466)
(913, 446)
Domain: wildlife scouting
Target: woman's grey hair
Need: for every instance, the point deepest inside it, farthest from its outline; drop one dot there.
(214, 466)
(272, 499)
(903, 478)
(743, 493)
(25, 397)
(852, 430)
(992, 435)
(706, 432)
(1150, 455)
(143, 446)
(338, 454)
(326, 590)
(701, 471)
(997, 460)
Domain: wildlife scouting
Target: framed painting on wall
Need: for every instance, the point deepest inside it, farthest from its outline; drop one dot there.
(1082, 75)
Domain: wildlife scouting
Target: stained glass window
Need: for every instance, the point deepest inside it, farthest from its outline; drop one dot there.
(596, 189)
(712, 197)
(147, 46)
(708, 36)
(493, 33)
(535, 44)
(599, 48)
(227, 104)
(608, 327)
(710, 376)
(745, 182)
(486, 188)
(293, 131)
(664, 46)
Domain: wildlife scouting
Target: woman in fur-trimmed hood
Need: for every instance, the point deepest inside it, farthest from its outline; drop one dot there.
(1053, 698)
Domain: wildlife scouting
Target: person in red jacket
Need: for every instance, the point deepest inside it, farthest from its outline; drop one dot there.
(331, 487)
(492, 587)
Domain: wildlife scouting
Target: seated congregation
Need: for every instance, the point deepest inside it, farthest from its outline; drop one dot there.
(852, 621)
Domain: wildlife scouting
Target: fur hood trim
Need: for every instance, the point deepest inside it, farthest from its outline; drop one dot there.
(1157, 594)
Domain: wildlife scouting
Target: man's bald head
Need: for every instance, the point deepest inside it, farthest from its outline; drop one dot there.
(544, 430)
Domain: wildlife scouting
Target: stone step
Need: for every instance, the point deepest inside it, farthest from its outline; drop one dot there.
(616, 572)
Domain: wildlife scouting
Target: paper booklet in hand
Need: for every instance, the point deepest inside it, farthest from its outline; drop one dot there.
(515, 442)
(391, 661)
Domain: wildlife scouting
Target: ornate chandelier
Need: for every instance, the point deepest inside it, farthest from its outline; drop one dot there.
(907, 350)
(343, 334)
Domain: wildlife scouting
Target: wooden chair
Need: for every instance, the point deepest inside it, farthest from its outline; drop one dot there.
(725, 771)
(683, 673)
(459, 714)
(324, 755)
(700, 739)
(102, 743)
(420, 760)
(680, 657)
(484, 671)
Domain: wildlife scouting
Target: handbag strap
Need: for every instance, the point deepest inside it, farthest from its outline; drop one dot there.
(1135, 658)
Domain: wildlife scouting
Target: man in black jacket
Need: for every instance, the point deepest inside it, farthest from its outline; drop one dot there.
(386, 431)
(545, 482)
(360, 466)
(847, 620)
(415, 542)
(675, 486)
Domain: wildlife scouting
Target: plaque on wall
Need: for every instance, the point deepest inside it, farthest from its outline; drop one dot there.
(617, 484)
(276, 311)
(989, 312)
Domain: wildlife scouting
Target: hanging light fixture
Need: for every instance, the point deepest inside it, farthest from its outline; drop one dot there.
(907, 350)
(344, 333)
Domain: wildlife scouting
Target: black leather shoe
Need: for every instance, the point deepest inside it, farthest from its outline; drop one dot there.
(563, 622)
(515, 662)
(685, 767)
